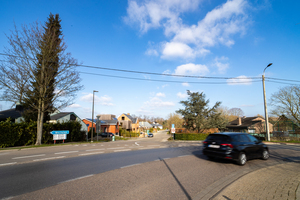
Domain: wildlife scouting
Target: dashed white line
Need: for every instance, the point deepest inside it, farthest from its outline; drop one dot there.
(94, 150)
(136, 143)
(122, 150)
(66, 152)
(117, 148)
(130, 165)
(51, 158)
(29, 156)
(3, 154)
(85, 154)
(4, 164)
(74, 179)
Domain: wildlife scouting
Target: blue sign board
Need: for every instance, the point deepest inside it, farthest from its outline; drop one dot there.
(173, 125)
(59, 132)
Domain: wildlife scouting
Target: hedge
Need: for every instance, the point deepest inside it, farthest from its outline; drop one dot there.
(195, 136)
(20, 134)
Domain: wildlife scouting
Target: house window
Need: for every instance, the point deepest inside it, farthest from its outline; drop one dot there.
(123, 118)
(72, 117)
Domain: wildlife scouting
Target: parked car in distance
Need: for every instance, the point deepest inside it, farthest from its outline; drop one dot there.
(150, 135)
(238, 147)
(106, 133)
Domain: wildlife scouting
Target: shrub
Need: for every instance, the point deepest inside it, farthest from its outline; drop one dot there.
(20, 134)
(196, 136)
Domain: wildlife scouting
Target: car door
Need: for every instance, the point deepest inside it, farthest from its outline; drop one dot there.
(256, 146)
(247, 145)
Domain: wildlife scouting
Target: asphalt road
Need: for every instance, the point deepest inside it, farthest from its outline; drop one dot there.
(145, 168)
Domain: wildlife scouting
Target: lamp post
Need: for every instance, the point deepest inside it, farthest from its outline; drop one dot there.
(265, 104)
(93, 118)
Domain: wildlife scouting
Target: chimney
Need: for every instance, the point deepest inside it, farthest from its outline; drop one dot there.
(240, 121)
(19, 107)
(128, 113)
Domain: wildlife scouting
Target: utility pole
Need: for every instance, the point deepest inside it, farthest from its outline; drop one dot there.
(92, 133)
(265, 104)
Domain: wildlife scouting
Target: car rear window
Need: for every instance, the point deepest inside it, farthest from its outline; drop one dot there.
(218, 137)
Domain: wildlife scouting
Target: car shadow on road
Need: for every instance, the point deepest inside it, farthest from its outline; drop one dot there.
(178, 182)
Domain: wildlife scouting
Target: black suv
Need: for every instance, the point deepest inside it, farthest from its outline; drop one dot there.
(239, 147)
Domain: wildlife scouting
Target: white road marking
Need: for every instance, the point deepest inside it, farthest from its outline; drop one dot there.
(8, 164)
(74, 179)
(29, 156)
(85, 154)
(117, 148)
(130, 165)
(94, 150)
(136, 143)
(66, 152)
(51, 158)
(3, 154)
(122, 150)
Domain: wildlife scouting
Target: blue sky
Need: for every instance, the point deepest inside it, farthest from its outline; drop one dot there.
(211, 38)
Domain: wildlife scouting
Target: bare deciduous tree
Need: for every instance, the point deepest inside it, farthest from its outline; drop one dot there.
(18, 73)
(287, 102)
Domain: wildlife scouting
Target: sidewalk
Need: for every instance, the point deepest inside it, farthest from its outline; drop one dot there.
(275, 182)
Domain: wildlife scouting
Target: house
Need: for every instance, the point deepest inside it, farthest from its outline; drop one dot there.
(14, 114)
(157, 125)
(145, 126)
(107, 123)
(249, 125)
(88, 124)
(129, 123)
(66, 117)
(283, 124)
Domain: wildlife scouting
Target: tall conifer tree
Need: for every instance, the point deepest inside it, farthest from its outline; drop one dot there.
(48, 64)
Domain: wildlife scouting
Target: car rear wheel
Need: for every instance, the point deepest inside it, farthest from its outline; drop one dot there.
(242, 159)
(265, 154)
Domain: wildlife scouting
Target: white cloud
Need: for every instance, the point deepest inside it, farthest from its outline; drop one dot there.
(74, 106)
(103, 100)
(240, 80)
(185, 84)
(157, 13)
(221, 64)
(191, 69)
(160, 94)
(177, 49)
(156, 102)
(182, 95)
(188, 41)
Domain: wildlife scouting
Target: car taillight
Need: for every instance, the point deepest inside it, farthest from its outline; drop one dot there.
(204, 142)
(229, 145)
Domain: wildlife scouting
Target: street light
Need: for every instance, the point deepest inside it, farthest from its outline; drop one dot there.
(265, 103)
(93, 118)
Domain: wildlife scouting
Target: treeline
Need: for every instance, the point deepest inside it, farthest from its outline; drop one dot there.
(22, 134)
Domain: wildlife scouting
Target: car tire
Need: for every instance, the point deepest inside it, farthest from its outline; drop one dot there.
(265, 154)
(242, 159)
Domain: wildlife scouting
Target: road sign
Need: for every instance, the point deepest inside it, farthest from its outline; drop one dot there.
(172, 130)
(59, 132)
(59, 136)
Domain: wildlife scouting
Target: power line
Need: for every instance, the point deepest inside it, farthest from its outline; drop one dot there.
(163, 74)
(141, 79)
(283, 79)
(281, 82)
(149, 73)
